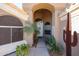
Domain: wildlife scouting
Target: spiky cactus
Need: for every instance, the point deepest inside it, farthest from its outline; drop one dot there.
(68, 39)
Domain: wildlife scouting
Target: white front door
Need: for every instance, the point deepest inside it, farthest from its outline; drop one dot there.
(40, 28)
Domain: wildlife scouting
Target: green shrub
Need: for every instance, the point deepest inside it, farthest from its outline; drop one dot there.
(22, 50)
(52, 44)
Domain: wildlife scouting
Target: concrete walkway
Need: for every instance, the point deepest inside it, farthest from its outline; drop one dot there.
(40, 50)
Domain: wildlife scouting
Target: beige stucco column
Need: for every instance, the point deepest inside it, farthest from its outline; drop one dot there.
(29, 37)
(57, 26)
(53, 22)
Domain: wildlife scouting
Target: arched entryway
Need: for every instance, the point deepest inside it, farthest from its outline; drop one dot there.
(34, 8)
(45, 22)
(11, 33)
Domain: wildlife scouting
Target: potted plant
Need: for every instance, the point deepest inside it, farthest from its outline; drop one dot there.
(22, 50)
(53, 48)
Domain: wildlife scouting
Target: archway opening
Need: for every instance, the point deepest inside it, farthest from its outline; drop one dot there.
(43, 17)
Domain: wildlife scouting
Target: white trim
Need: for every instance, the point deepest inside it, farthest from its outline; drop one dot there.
(11, 26)
(72, 9)
(9, 48)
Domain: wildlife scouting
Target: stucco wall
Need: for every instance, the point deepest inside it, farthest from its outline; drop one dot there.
(75, 27)
(60, 24)
(75, 50)
(3, 13)
(29, 37)
(62, 27)
(57, 26)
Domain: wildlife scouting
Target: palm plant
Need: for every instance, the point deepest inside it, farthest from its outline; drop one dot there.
(30, 28)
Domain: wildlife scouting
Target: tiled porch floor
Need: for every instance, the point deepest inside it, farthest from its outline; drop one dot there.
(40, 50)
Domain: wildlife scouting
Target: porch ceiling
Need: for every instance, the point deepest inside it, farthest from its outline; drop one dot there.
(50, 6)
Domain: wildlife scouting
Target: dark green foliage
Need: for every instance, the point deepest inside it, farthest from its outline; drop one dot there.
(52, 44)
(22, 50)
(30, 28)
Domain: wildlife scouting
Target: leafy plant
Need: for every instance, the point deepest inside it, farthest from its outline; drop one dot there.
(22, 50)
(52, 44)
(30, 28)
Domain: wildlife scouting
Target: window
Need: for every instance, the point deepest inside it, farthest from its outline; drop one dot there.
(10, 29)
(75, 21)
